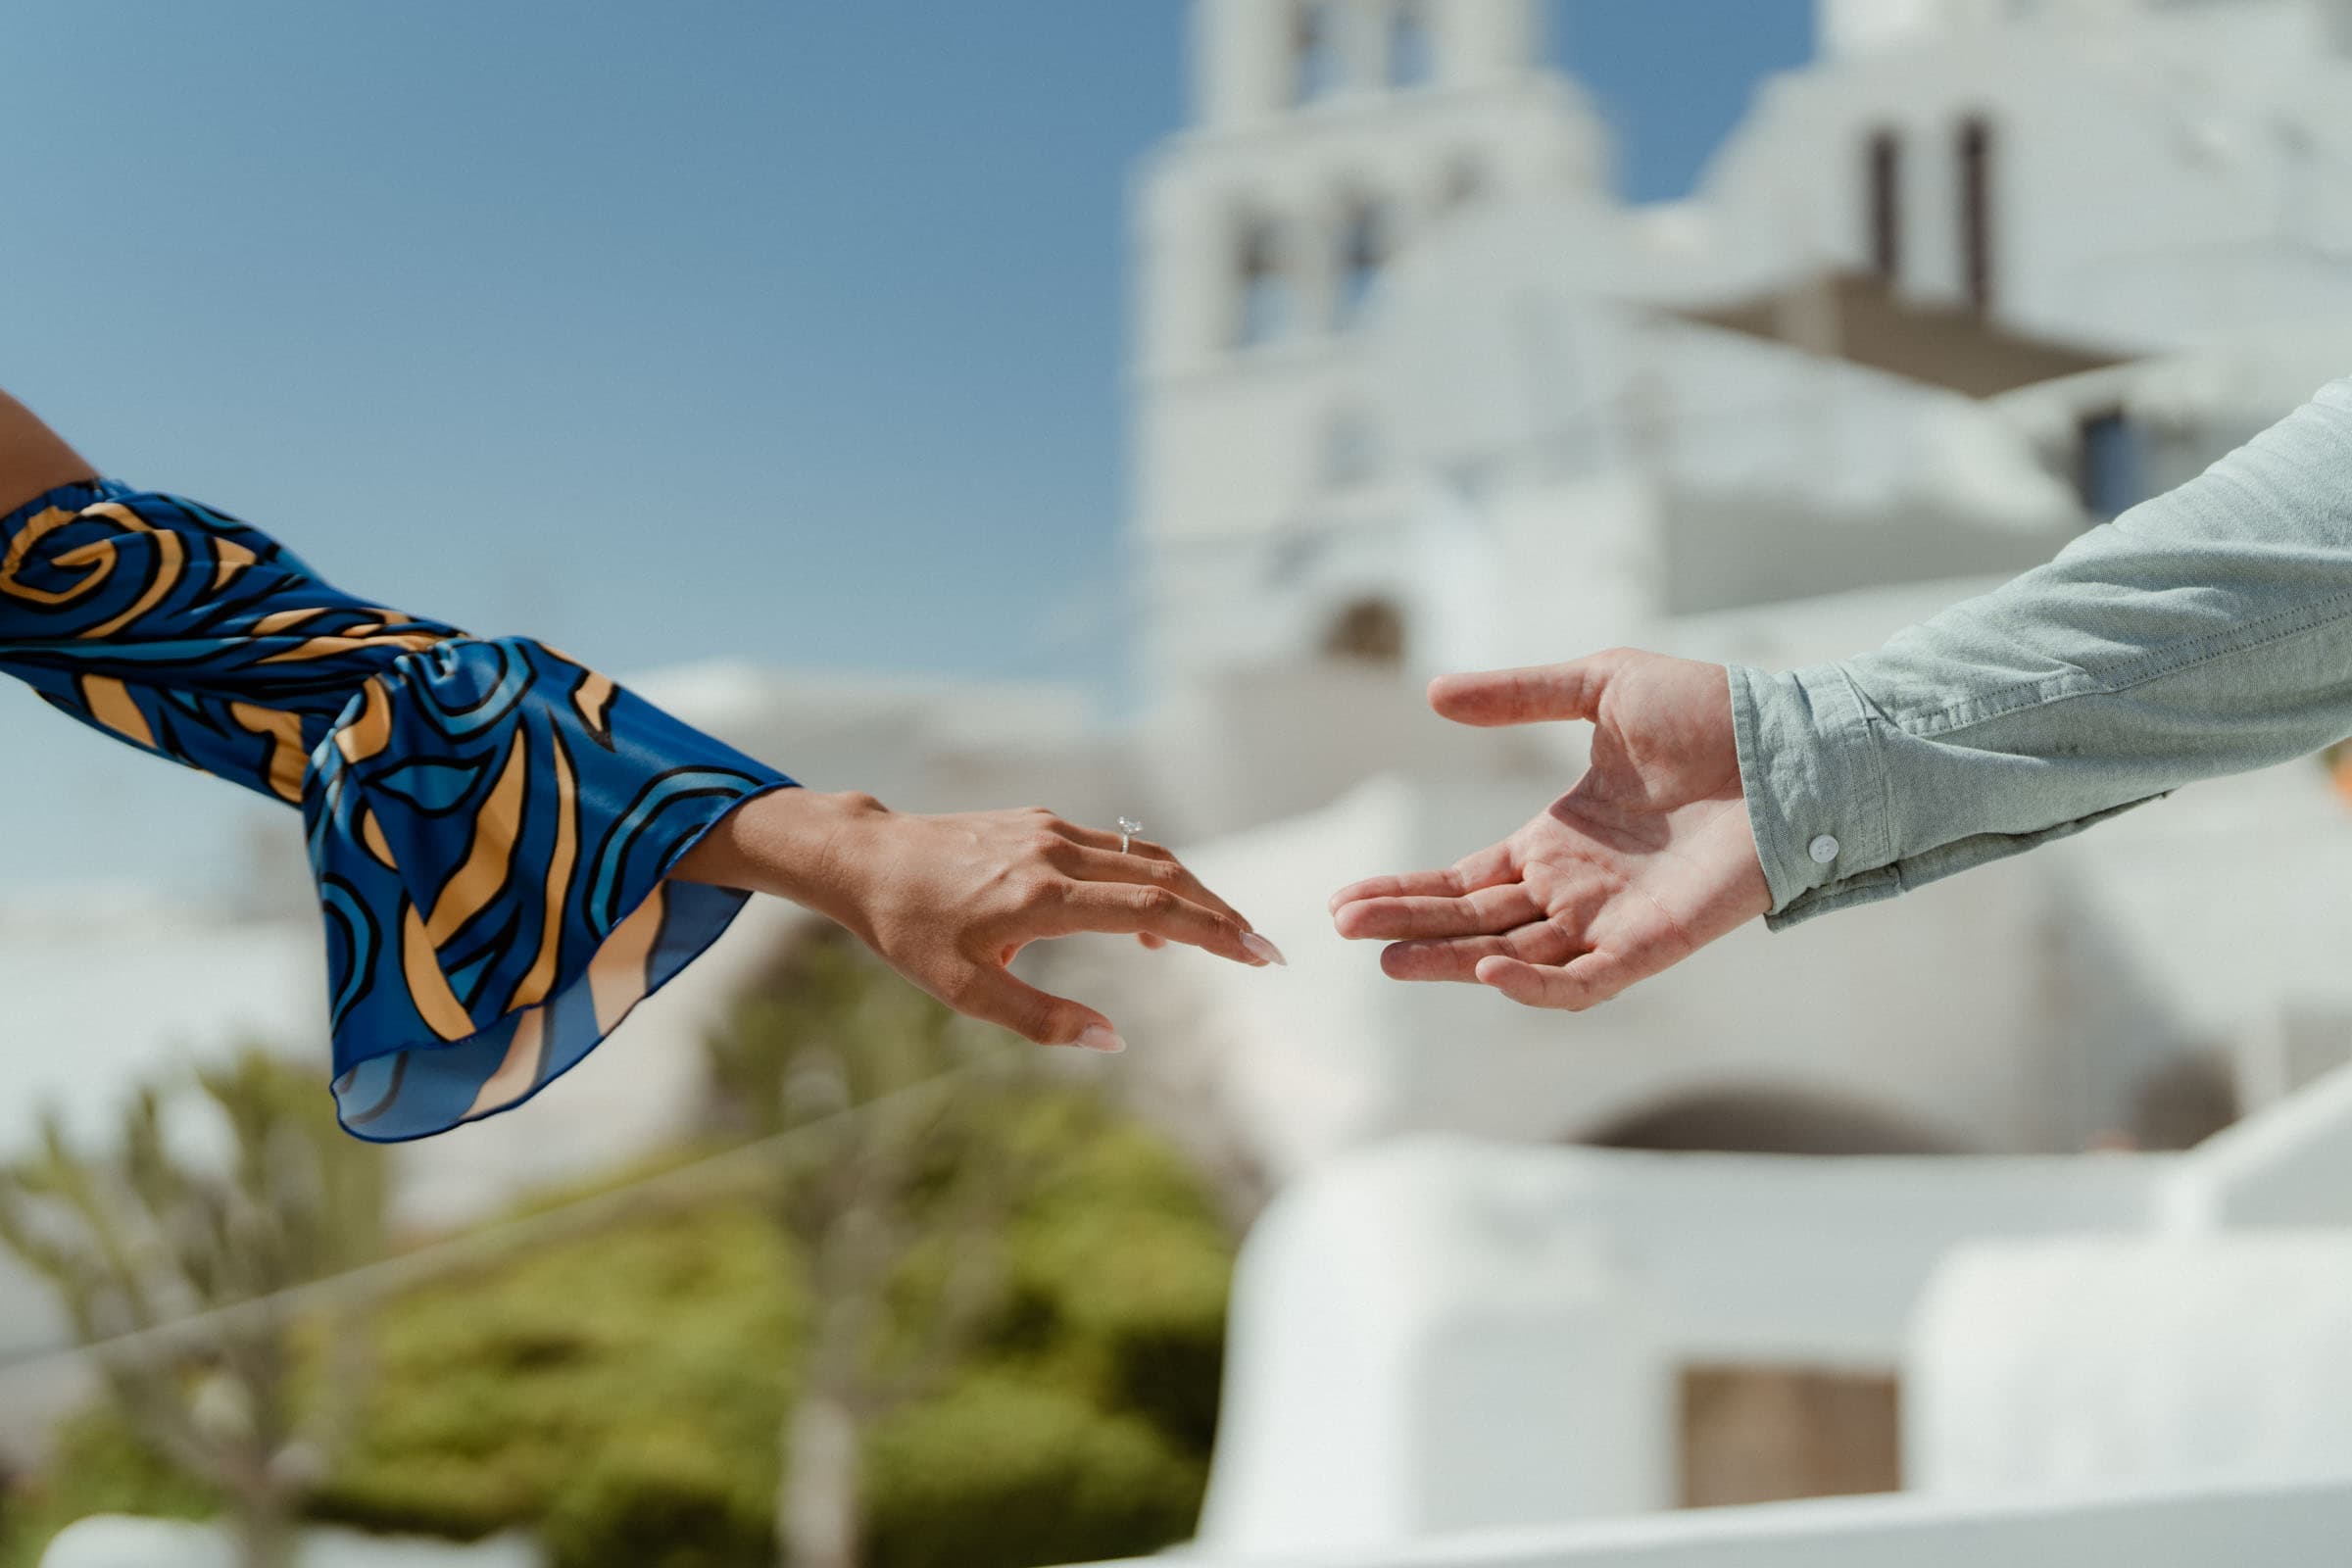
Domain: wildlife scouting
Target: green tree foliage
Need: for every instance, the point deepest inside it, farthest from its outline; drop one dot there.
(915, 1136)
(141, 1237)
(623, 1391)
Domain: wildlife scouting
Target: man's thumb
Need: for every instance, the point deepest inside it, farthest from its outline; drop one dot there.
(1534, 695)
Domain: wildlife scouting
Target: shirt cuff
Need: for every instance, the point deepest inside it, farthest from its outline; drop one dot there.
(1816, 788)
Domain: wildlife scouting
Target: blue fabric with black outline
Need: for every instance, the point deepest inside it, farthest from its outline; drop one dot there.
(492, 824)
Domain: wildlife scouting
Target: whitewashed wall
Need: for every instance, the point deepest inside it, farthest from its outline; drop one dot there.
(1407, 1363)
(2156, 1362)
(2088, 1320)
(1387, 1306)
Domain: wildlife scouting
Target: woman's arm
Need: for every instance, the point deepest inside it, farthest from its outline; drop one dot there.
(949, 901)
(512, 850)
(33, 458)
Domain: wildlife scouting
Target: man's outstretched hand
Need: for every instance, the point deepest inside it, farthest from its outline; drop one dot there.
(1647, 858)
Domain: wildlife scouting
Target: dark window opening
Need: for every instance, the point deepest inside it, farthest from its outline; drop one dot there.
(1976, 212)
(1771, 1121)
(1369, 631)
(1363, 256)
(1885, 202)
(1760, 1433)
(1265, 302)
(1412, 55)
(1315, 47)
(2186, 1100)
(2111, 473)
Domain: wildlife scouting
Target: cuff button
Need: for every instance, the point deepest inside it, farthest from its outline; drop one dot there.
(1823, 849)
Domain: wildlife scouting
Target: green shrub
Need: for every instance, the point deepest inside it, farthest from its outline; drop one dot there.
(624, 1393)
(504, 1393)
(621, 1392)
(674, 1496)
(1007, 1472)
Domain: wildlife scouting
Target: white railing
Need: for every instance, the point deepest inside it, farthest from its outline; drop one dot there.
(2281, 1525)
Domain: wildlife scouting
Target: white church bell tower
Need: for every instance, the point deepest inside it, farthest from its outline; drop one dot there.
(1326, 134)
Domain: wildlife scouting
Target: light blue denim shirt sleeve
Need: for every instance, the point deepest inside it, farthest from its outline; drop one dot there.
(2207, 631)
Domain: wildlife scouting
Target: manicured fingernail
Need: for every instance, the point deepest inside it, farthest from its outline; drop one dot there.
(1262, 951)
(1098, 1038)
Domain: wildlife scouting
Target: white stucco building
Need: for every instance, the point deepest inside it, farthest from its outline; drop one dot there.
(1415, 390)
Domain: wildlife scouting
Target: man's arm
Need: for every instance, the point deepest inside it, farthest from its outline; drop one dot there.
(2208, 631)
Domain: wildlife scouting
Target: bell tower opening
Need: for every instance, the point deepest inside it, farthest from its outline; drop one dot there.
(1363, 253)
(1973, 150)
(1318, 59)
(1328, 138)
(1883, 185)
(1412, 51)
(1265, 305)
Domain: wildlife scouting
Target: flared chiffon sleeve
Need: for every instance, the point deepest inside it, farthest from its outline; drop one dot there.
(491, 825)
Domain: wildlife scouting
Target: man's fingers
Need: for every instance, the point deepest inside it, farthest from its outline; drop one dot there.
(1484, 869)
(1456, 958)
(1409, 884)
(993, 996)
(1572, 987)
(1129, 909)
(1531, 695)
(1488, 912)
(1562, 932)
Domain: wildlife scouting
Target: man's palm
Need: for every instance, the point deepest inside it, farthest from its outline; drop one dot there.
(1645, 860)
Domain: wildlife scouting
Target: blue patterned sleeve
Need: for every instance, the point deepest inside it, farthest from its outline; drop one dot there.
(492, 825)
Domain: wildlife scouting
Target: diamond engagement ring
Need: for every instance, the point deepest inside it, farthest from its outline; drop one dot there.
(1129, 827)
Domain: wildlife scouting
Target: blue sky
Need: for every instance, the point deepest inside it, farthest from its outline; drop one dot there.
(784, 328)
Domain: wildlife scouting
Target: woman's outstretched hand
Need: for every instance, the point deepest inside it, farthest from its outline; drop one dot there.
(949, 901)
(1647, 858)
